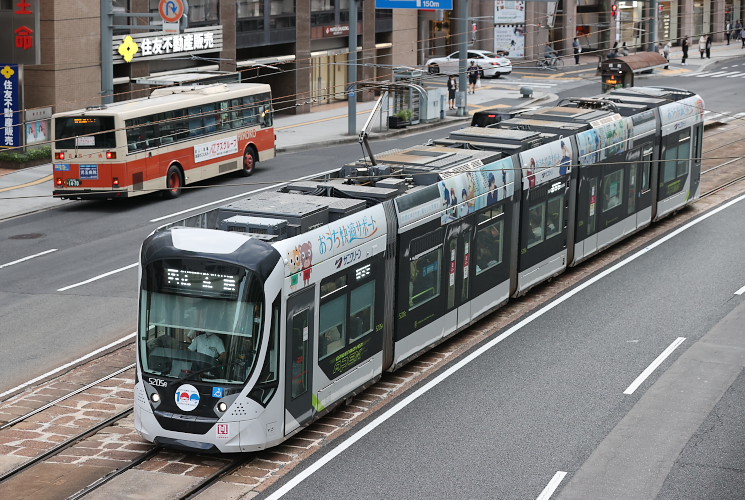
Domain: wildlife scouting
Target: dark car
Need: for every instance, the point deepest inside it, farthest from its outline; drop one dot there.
(488, 117)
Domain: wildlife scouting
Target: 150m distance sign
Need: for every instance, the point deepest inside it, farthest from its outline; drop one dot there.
(414, 4)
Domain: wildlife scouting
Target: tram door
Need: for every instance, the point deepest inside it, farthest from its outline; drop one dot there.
(459, 254)
(298, 365)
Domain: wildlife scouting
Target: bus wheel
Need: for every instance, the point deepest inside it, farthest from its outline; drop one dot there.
(249, 161)
(174, 182)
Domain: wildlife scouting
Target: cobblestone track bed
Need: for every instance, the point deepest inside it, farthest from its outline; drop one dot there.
(118, 445)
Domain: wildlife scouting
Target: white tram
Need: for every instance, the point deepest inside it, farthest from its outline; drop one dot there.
(259, 317)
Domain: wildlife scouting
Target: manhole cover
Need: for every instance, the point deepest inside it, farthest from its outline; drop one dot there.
(29, 236)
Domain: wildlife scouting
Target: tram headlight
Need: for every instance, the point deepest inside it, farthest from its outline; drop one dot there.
(222, 406)
(155, 397)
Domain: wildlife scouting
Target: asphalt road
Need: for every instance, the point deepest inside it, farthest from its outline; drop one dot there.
(545, 398)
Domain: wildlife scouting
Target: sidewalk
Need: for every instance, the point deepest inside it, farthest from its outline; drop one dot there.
(30, 190)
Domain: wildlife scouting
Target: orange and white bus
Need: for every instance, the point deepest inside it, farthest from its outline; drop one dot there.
(175, 137)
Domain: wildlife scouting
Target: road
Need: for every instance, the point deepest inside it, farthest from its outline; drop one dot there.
(545, 398)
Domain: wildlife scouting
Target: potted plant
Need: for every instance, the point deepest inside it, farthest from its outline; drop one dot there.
(400, 119)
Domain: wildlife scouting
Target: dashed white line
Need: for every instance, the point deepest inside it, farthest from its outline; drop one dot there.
(552, 485)
(652, 367)
(28, 258)
(98, 277)
(740, 291)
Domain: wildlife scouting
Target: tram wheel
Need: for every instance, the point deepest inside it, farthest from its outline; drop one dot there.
(174, 183)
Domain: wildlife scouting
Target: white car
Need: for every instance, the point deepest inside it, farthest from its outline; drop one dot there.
(493, 65)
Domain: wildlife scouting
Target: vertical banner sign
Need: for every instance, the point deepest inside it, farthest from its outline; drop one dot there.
(19, 32)
(11, 111)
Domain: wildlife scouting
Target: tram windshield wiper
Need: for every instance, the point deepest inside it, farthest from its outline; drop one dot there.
(198, 372)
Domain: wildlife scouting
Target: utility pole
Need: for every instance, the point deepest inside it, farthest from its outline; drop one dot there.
(107, 58)
(461, 14)
(352, 70)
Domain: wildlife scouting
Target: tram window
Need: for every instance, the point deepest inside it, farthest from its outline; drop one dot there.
(684, 153)
(612, 190)
(489, 246)
(332, 327)
(424, 283)
(452, 252)
(361, 307)
(537, 220)
(593, 206)
(671, 164)
(632, 189)
(330, 285)
(299, 346)
(554, 216)
(646, 167)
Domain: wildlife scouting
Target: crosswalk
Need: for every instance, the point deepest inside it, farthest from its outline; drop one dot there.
(725, 72)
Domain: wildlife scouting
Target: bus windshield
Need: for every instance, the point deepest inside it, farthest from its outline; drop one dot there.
(200, 323)
(88, 132)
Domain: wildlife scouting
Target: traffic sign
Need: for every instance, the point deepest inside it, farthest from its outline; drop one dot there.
(171, 10)
(414, 4)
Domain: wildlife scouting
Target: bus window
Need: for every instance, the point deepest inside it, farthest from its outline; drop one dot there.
(210, 119)
(250, 113)
(236, 113)
(196, 121)
(223, 117)
(92, 132)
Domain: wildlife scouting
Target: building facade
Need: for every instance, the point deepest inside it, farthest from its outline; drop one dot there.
(301, 47)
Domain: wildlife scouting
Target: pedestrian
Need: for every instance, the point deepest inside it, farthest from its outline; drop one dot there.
(738, 28)
(577, 49)
(727, 31)
(613, 51)
(452, 87)
(708, 45)
(624, 49)
(702, 45)
(684, 45)
(666, 53)
(473, 76)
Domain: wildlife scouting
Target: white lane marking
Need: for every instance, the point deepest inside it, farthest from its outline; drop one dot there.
(306, 473)
(71, 363)
(740, 291)
(652, 367)
(738, 73)
(700, 75)
(28, 258)
(552, 485)
(98, 277)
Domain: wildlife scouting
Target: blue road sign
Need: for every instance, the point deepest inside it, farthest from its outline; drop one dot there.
(414, 4)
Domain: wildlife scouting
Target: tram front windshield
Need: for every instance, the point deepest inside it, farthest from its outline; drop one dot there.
(200, 321)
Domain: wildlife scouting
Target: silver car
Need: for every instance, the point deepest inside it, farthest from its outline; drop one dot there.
(492, 65)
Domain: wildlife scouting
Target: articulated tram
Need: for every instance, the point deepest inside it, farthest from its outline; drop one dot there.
(258, 317)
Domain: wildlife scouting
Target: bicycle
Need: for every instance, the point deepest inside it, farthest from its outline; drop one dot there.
(554, 63)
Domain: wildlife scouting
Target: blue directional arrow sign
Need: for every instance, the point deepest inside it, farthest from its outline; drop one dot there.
(414, 4)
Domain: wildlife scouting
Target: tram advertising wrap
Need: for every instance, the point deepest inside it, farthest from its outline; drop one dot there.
(258, 317)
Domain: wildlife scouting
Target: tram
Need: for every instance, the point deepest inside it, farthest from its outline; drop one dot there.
(258, 317)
